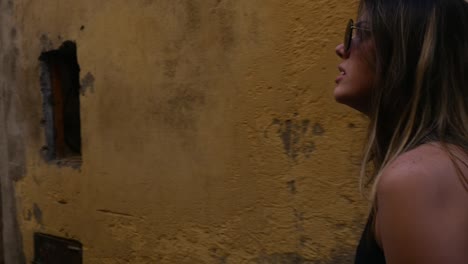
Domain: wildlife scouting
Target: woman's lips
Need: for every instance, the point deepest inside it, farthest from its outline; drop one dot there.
(342, 74)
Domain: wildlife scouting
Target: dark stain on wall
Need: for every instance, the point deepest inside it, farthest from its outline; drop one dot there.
(9, 61)
(13, 33)
(318, 129)
(296, 136)
(226, 22)
(183, 107)
(14, 120)
(46, 43)
(16, 168)
(193, 15)
(13, 154)
(292, 186)
(170, 67)
(254, 28)
(37, 213)
(87, 83)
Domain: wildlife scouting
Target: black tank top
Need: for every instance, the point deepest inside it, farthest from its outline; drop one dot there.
(368, 251)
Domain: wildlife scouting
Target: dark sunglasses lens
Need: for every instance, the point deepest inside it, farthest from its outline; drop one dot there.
(348, 37)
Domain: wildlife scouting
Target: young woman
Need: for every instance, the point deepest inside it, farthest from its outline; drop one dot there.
(405, 65)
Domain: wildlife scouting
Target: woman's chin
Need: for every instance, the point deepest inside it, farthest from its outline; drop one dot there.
(351, 102)
(341, 96)
(356, 101)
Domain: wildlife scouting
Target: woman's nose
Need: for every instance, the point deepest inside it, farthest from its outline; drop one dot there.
(340, 51)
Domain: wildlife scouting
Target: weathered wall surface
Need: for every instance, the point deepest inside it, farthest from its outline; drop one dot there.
(209, 130)
(12, 145)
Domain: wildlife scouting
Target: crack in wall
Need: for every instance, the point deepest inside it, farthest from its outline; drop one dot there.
(105, 211)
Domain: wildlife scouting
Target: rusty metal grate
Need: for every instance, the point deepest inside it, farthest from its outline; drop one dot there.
(50, 249)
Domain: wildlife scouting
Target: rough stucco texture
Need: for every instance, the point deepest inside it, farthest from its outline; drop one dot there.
(210, 133)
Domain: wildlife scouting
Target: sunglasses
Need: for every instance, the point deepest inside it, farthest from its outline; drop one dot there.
(348, 37)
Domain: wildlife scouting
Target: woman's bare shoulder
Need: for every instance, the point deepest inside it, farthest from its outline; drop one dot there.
(428, 166)
(422, 214)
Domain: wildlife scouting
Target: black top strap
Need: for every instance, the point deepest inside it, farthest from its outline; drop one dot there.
(368, 251)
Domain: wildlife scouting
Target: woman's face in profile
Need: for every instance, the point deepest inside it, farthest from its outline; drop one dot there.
(357, 70)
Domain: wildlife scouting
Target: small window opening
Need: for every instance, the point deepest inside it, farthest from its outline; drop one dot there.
(60, 87)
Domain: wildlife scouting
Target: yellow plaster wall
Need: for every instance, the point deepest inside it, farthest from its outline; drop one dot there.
(210, 134)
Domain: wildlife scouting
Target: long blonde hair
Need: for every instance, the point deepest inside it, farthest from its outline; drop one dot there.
(421, 88)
